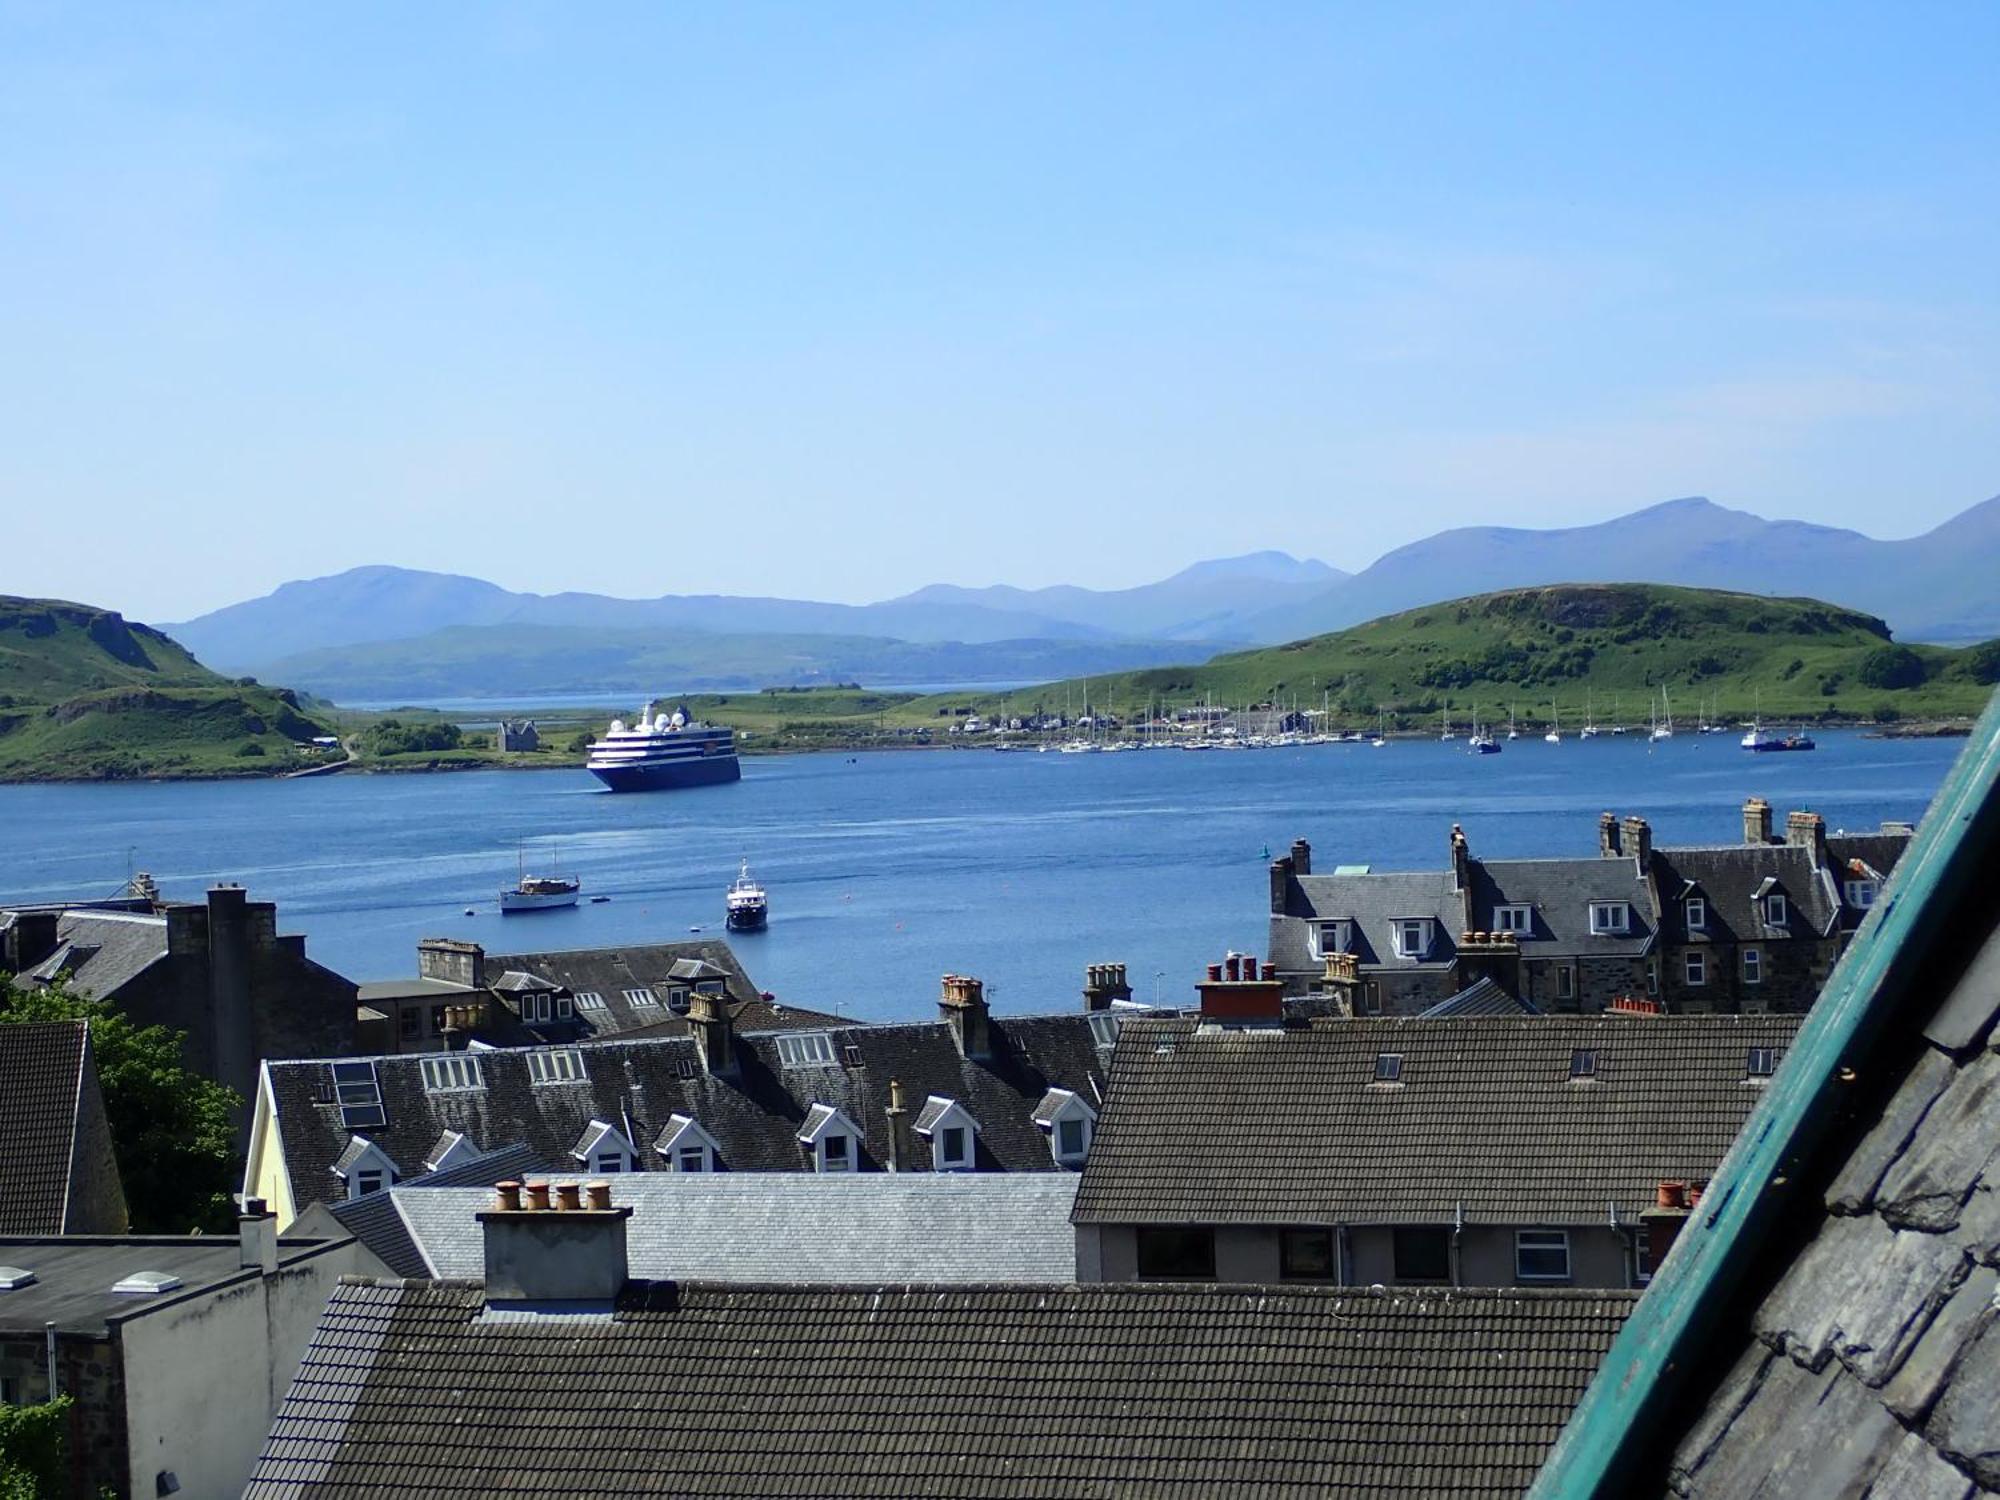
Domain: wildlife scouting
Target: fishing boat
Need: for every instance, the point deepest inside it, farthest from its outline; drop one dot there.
(539, 892)
(748, 907)
(1763, 742)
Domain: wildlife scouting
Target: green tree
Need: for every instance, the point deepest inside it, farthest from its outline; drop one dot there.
(32, 1449)
(170, 1127)
(1982, 663)
(1892, 667)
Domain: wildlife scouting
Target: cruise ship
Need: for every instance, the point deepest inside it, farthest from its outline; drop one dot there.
(663, 751)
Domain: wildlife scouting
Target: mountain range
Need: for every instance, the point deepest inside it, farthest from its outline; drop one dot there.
(390, 632)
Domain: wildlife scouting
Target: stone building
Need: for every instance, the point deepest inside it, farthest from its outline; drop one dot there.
(1745, 927)
(519, 734)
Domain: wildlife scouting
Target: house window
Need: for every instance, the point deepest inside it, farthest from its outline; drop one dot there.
(1697, 914)
(691, 1159)
(1761, 1063)
(1072, 1140)
(410, 1023)
(642, 999)
(1413, 937)
(565, 1011)
(836, 1153)
(805, 1049)
(952, 1148)
(1774, 911)
(1305, 1254)
(1541, 1255)
(1176, 1253)
(1388, 1067)
(1861, 894)
(1610, 917)
(1333, 938)
(1511, 918)
(1565, 982)
(1104, 1027)
(455, 1072)
(535, 1008)
(1697, 968)
(677, 999)
(1371, 998)
(366, 1183)
(1422, 1253)
(565, 1066)
(589, 1000)
(609, 1161)
(1753, 966)
(1653, 978)
(1583, 1063)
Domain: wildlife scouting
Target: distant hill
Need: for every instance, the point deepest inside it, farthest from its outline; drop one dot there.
(1611, 646)
(87, 694)
(1205, 602)
(1936, 587)
(498, 661)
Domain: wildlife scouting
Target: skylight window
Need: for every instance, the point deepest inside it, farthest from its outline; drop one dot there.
(642, 999)
(805, 1049)
(148, 1282)
(13, 1278)
(1761, 1063)
(1583, 1063)
(589, 1000)
(358, 1094)
(565, 1066)
(1104, 1026)
(453, 1073)
(1388, 1067)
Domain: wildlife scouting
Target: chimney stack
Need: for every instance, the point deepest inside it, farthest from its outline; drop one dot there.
(902, 1152)
(1664, 1222)
(1234, 994)
(1807, 830)
(1489, 955)
(1302, 857)
(1103, 984)
(1461, 860)
(257, 1234)
(1756, 821)
(1607, 835)
(572, 1253)
(1637, 837)
(714, 1033)
(962, 1003)
(453, 961)
(1341, 981)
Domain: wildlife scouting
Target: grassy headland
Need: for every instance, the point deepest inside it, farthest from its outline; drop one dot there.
(1611, 646)
(85, 695)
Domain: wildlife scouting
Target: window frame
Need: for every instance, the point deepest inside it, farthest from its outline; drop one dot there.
(1420, 928)
(1777, 911)
(703, 1159)
(1552, 1240)
(368, 1182)
(950, 1136)
(562, 1065)
(1861, 894)
(1071, 1154)
(1694, 969)
(1519, 918)
(1341, 931)
(1621, 911)
(827, 1160)
(1768, 1056)
(451, 1073)
(1585, 1064)
(1174, 1252)
(1694, 912)
(1753, 964)
(1388, 1068)
(1291, 1237)
(1404, 1245)
(806, 1049)
(1565, 981)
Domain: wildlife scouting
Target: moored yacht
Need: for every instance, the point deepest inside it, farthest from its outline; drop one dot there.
(663, 751)
(749, 908)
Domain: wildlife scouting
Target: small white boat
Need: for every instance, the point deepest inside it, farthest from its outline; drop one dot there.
(1663, 727)
(1555, 734)
(749, 908)
(539, 892)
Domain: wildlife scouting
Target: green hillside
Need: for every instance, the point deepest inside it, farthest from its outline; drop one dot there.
(1612, 646)
(87, 695)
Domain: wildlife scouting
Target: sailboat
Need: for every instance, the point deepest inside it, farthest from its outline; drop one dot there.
(1444, 718)
(1381, 732)
(1589, 730)
(1663, 726)
(1512, 732)
(1616, 727)
(1555, 734)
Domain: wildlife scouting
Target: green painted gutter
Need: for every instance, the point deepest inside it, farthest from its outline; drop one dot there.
(1616, 1425)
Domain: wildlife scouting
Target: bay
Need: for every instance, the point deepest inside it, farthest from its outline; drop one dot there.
(889, 869)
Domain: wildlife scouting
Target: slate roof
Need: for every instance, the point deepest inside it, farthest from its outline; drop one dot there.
(74, 1275)
(1832, 1328)
(1729, 877)
(377, 1221)
(787, 1227)
(753, 1118)
(41, 1079)
(1561, 891)
(1371, 903)
(1483, 997)
(102, 951)
(1288, 1126)
(884, 1391)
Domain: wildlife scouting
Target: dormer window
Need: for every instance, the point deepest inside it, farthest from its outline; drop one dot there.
(1070, 1122)
(365, 1168)
(1861, 894)
(603, 1150)
(452, 1149)
(563, 1066)
(1774, 910)
(451, 1073)
(952, 1132)
(833, 1140)
(1610, 918)
(1518, 917)
(1413, 937)
(1696, 912)
(805, 1049)
(1104, 1026)
(687, 1147)
(677, 999)
(1333, 937)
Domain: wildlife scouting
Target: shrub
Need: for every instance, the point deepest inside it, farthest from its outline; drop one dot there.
(1887, 713)
(1892, 667)
(248, 749)
(1982, 663)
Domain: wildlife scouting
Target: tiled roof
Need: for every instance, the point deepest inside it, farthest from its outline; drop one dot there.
(886, 1391)
(41, 1074)
(1483, 997)
(786, 1227)
(1372, 903)
(754, 1118)
(1290, 1127)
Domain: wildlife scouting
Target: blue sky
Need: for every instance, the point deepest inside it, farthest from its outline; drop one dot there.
(834, 301)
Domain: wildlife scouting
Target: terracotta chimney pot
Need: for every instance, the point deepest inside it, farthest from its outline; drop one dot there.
(569, 1197)
(508, 1199)
(538, 1195)
(597, 1196)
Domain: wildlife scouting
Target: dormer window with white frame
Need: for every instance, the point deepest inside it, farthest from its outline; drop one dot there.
(687, 1147)
(1861, 894)
(833, 1140)
(604, 1149)
(565, 1065)
(806, 1049)
(1517, 917)
(952, 1132)
(1332, 937)
(1413, 936)
(453, 1148)
(1610, 918)
(1069, 1122)
(1775, 913)
(1695, 913)
(451, 1073)
(365, 1168)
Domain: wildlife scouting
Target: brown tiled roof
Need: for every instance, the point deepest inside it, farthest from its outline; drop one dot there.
(920, 1391)
(1289, 1126)
(41, 1068)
